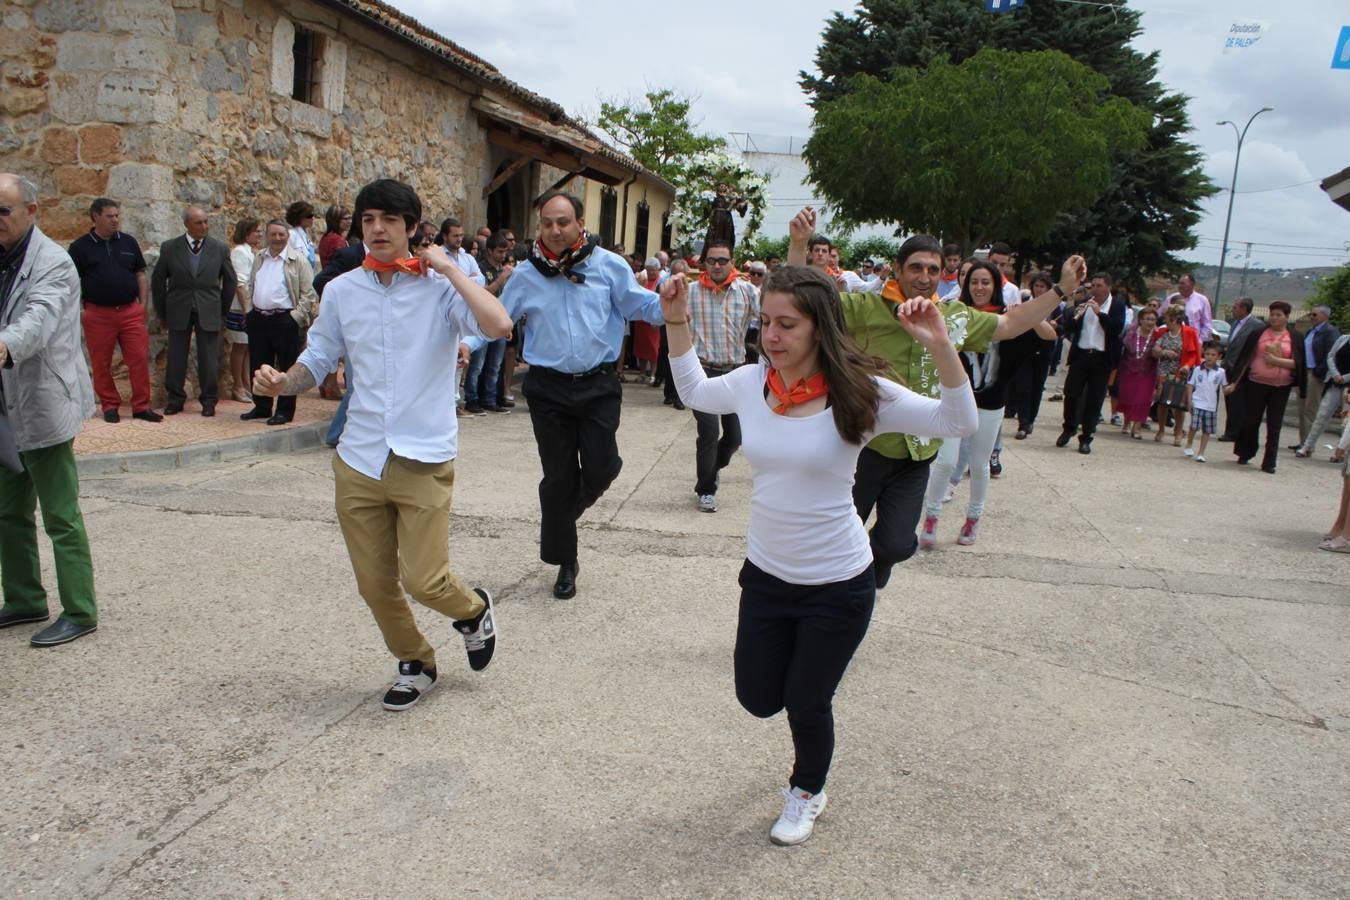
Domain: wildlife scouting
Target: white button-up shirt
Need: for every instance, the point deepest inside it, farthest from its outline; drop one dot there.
(404, 340)
(269, 285)
(1093, 336)
(468, 265)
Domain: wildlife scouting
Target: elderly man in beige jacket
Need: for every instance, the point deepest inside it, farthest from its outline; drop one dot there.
(279, 304)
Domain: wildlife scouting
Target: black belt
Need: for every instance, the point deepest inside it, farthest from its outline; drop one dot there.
(720, 370)
(110, 305)
(602, 369)
(269, 312)
(1090, 350)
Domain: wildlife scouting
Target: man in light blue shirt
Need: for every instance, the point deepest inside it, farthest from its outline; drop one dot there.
(576, 298)
(400, 320)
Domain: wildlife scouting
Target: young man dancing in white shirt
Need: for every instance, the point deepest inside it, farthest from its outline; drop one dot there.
(400, 320)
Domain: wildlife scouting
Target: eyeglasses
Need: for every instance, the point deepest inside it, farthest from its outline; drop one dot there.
(717, 260)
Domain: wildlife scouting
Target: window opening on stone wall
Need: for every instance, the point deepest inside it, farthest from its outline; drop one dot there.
(667, 232)
(609, 215)
(308, 53)
(640, 238)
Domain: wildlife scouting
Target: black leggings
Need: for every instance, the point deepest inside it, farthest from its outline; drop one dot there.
(793, 643)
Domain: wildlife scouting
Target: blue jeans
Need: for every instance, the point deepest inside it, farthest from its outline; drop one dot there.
(340, 417)
(485, 368)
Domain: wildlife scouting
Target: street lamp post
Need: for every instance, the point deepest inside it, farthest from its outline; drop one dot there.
(1232, 191)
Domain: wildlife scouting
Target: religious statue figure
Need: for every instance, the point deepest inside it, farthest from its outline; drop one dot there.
(720, 207)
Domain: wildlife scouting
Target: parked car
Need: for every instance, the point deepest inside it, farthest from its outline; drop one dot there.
(1221, 330)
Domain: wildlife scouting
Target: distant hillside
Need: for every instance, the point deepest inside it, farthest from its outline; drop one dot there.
(1262, 285)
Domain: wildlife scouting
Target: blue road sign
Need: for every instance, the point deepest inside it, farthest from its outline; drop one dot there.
(998, 6)
(1341, 58)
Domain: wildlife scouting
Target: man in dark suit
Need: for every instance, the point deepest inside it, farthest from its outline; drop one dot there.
(1244, 328)
(1095, 323)
(192, 286)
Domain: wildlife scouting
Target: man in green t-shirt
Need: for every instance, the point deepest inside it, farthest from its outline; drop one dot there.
(892, 470)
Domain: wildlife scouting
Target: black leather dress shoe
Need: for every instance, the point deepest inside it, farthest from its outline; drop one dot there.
(209, 409)
(148, 415)
(254, 414)
(9, 618)
(1084, 448)
(1063, 439)
(278, 420)
(110, 415)
(62, 631)
(565, 587)
(172, 409)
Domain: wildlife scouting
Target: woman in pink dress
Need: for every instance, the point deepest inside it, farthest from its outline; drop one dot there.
(1137, 376)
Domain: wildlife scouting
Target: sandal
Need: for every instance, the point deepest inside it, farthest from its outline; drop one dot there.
(1302, 454)
(1335, 545)
(1176, 442)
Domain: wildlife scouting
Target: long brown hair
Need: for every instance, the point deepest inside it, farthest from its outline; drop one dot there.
(847, 368)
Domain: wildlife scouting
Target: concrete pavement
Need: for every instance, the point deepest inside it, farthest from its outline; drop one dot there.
(1134, 684)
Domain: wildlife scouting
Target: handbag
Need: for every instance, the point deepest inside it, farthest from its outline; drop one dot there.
(1173, 394)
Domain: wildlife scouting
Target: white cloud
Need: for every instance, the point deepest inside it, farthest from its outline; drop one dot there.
(742, 61)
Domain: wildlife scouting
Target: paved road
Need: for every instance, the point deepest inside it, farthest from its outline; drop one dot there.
(1124, 689)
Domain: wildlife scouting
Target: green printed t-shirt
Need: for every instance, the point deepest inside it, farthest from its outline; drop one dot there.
(872, 323)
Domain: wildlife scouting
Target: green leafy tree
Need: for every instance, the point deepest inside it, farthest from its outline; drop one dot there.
(947, 171)
(1334, 291)
(657, 132)
(1153, 200)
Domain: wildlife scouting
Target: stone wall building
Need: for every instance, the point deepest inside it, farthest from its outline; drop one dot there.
(243, 106)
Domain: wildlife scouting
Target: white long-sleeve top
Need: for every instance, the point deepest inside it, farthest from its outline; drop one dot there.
(803, 526)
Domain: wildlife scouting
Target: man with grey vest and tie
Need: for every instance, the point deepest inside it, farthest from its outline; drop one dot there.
(192, 287)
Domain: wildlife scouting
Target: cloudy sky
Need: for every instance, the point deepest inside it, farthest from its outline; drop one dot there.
(741, 61)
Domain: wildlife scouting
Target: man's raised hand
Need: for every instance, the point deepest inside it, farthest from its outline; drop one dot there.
(269, 382)
(924, 322)
(803, 225)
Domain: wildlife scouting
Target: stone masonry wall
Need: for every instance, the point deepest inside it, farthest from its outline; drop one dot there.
(161, 103)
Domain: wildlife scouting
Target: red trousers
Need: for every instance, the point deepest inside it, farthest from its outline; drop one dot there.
(104, 328)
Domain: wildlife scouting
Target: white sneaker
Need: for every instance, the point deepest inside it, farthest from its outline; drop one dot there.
(798, 819)
(948, 494)
(1200, 459)
(1188, 452)
(707, 503)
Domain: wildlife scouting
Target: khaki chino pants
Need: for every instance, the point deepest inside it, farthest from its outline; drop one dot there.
(397, 529)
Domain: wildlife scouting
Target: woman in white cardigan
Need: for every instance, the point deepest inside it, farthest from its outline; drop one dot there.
(807, 586)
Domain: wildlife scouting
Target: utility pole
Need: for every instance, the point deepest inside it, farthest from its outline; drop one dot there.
(1246, 262)
(1232, 190)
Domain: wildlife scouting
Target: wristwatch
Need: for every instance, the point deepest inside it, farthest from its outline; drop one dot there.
(1060, 291)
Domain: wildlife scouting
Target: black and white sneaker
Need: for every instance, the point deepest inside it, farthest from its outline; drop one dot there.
(413, 681)
(480, 634)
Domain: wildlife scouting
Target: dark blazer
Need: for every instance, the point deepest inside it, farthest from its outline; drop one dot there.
(1238, 340)
(1243, 361)
(1322, 342)
(176, 292)
(342, 262)
(1113, 324)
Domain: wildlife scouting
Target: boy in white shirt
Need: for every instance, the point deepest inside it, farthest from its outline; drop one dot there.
(1202, 396)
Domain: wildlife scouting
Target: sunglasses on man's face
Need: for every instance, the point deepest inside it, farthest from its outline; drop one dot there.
(717, 260)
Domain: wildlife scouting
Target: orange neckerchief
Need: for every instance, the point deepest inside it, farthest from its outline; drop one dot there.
(553, 257)
(834, 271)
(708, 283)
(803, 390)
(409, 266)
(891, 291)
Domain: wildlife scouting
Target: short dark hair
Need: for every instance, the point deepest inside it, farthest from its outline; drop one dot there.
(1103, 276)
(817, 241)
(242, 228)
(950, 250)
(101, 204)
(919, 243)
(1245, 303)
(773, 256)
(1281, 305)
(1187, 275)
(1211, 345)
(496, 240)
(716, 242)
(389, 196)
(578, 208)
(298, 211)
(1000, 247)
(1042, 278)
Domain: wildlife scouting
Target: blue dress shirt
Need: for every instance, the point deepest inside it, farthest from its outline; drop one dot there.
(575, 327)
(403, 339)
